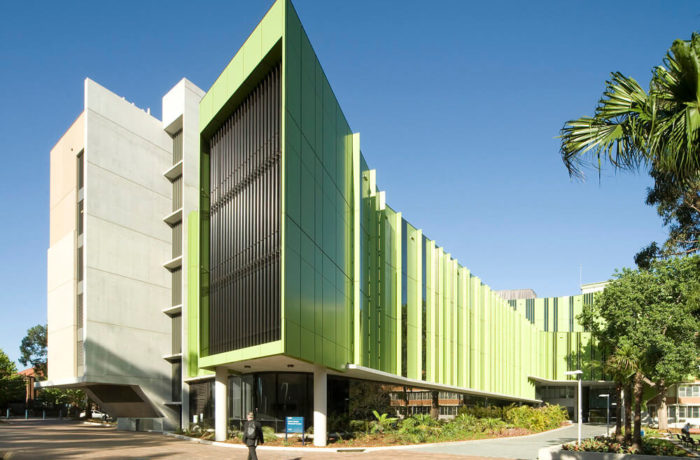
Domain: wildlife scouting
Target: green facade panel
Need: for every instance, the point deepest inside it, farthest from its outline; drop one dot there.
(359, 283)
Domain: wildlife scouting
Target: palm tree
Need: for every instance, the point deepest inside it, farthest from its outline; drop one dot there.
(622, 365)
(632, 128)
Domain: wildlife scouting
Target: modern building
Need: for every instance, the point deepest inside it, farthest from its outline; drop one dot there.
(238, 255)
(114, 260)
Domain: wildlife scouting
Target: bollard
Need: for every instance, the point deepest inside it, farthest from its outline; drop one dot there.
(26, 414)
(43, 414)
(8, 413)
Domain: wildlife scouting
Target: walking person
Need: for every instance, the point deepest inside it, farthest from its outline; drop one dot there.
(252, 434)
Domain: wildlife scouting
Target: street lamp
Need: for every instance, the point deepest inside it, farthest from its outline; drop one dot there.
(579, 374)
(607, 417)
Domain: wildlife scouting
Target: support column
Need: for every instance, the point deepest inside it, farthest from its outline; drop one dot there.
(220, 404)
(320, 405)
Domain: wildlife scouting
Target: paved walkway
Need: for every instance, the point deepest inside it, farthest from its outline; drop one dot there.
(36, 439)
(524, 447)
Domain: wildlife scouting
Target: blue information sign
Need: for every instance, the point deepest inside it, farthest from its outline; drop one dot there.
(295, 424)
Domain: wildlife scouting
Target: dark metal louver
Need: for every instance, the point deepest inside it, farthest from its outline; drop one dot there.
(245, 222)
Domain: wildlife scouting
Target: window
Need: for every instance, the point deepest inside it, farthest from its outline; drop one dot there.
(448, 410)
(80, 218)
(80, 172)
(689, 391)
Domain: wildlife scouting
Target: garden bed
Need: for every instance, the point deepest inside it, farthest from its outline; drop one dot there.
(650, 446)
(420, 429)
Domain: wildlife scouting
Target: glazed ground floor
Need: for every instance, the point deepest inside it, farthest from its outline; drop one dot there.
(328, 402)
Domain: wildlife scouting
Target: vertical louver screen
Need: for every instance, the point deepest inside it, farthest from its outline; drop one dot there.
(177, 147)
(245, 229)
(177, 240)
(177, 287)
(177, 193)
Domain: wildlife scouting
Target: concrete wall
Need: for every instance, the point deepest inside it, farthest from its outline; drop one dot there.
(61, 255)
(181, 111)
(126, 243)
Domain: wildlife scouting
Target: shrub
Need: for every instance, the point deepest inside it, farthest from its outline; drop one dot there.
(611, 445)
(269, 433)
(482, 412)
(492, 425)
(536, 419)
(359, 426)
(382, 424)
(410, 430)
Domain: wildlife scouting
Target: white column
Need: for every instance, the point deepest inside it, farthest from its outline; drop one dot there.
(220, 404)
(320, 409)
(580, 406)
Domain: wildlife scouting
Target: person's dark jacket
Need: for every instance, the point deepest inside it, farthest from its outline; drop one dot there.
(258, 439)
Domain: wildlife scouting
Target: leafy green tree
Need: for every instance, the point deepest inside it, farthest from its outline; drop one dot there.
(678, 204)
(33, 350)
(658, 130)
(11, 384)
(60, 396)
(649, 320)
(671, 345)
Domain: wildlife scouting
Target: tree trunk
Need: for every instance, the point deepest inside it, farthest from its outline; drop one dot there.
(618, 412)
(628, 411)
(435, 407)
(638, 394)
(662, 412)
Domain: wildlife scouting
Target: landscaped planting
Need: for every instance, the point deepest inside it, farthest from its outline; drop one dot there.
(471, 423)
(650, 446)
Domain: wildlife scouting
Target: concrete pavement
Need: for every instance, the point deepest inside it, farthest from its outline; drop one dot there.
(522, 447)
(37, 439)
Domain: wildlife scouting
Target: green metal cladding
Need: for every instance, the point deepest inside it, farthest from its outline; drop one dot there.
(360, 284)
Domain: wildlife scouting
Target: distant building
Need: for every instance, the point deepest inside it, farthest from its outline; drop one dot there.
(517, 294)
(590, 288)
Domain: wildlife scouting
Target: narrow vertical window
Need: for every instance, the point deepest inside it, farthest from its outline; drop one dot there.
(404, 298)
(424, 313)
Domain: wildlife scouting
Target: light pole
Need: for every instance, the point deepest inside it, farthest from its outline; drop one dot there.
(578, 373)
(607, 417)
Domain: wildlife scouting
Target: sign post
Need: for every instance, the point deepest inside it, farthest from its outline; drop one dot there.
(294, 425)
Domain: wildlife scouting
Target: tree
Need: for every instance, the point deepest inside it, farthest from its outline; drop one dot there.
(631, 127)
(672, 347)
(658, 130)
(33, 350)
(679, 207)
(11, 384)
(622, 364)
(649, 319)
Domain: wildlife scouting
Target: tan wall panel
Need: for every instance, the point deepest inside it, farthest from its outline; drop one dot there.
(62, 190)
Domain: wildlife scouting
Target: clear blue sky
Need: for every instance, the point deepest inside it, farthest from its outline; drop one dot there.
(458, 104)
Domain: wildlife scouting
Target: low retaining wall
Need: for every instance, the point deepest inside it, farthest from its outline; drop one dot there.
(556, 453)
